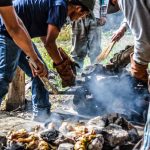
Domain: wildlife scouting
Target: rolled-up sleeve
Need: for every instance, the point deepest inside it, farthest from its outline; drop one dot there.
(124, 23)
(57, 16)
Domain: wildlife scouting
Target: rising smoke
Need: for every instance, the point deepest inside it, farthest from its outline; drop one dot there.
(118, 94)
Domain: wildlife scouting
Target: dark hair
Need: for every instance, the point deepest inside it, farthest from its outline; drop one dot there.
(77, 2)
(112, 3)
(74, 2)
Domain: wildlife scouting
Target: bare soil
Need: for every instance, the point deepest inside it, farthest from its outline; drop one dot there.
(19, 119)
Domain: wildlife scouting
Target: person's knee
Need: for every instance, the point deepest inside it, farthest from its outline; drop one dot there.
(4, 85)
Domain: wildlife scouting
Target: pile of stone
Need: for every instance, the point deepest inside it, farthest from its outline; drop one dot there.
(109, 132)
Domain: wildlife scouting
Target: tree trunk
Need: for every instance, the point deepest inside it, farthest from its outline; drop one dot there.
(16, 93)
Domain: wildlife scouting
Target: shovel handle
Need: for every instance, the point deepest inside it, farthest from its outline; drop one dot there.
(45, 81)
(103, 55)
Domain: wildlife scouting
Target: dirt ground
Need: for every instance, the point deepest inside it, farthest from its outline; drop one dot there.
(23, 119)
(10, 121)
(16, 120)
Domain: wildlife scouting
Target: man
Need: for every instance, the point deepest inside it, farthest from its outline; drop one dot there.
(137, 16)
(86, 34)
(141, 56)
(19, 34)
(44, 19)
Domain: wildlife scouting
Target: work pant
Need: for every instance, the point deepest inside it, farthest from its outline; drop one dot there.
(11, 56)
(86, 39)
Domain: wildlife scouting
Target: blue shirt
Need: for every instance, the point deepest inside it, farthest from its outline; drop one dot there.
(5, 3)
(37, 14)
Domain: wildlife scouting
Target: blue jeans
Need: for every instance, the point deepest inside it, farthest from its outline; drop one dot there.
(11, 56)
(146, 143)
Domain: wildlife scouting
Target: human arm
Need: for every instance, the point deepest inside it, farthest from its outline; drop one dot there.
(50, 44)
(121, 31)
(56, 19)
(20, 36)
(62, 62)
(103, 14)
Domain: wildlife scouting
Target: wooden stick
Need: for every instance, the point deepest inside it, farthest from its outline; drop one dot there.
(138, 145)
(103, 55)
(47, 84)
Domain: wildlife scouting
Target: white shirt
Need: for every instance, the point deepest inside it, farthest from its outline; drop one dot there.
(137, 15)
(96, 10)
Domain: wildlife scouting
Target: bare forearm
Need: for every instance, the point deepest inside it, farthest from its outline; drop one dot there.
(50, 44)
(17, 31)
(22, 39)
(54, 53)
(52, 50)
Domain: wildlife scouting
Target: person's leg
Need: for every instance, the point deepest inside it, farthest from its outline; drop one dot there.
(146, 143)
(138, 71)
(79, 41)
(94, 37)
(40, 96)
(9, 56)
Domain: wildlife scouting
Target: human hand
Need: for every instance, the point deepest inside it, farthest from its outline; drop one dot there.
(119, 34)
(67, 69)
(66, 73)
(102, 21)
(38, 68)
